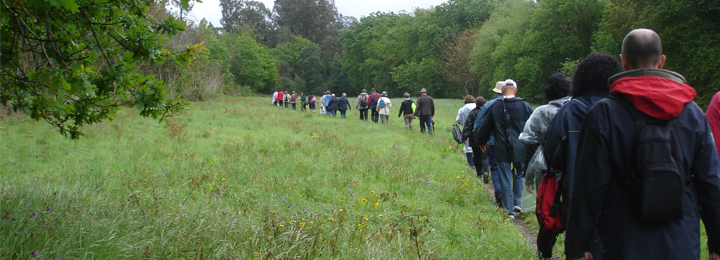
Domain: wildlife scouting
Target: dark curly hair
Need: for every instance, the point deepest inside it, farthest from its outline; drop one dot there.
(557, 86)
(593, 72)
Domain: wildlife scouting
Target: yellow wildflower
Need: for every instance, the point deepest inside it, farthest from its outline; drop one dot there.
(366, 217)
(302, 224)
(376, 205)
(364, 200)
(373, 192)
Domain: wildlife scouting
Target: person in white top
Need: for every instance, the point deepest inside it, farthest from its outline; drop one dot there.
(384, 111)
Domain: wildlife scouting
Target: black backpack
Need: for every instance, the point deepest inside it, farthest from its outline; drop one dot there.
(656, 181)
(363, 100)
(457, 135)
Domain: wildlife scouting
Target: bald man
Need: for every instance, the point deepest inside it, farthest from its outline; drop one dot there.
(603, 192)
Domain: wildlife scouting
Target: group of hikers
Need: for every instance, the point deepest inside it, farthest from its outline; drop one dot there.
(377, 103)
(621, 158)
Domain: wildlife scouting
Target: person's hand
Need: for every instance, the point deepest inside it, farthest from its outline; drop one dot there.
(484, 147)
(588, 256)
(714, 256)
(530, 188)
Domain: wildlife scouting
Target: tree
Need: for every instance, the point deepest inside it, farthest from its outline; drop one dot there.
(456, 58)
(247, 15)
(251, 63)
(74, 62)
(311, 19)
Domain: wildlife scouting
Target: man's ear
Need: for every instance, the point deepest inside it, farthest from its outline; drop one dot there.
(662, 62)
(624, 63)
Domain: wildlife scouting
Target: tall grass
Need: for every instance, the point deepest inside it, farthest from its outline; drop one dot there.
(239, 178)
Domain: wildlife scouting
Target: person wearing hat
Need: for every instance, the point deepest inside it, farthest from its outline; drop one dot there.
(425, 110)
(362, 103)
(490, 151)
(407, 109)
(372, 105)
(506, 120)
(384, 111)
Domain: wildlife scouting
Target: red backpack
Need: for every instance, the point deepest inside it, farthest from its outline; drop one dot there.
(548, 204)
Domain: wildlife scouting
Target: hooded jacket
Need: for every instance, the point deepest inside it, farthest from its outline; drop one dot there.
(534, 133)
(605, 148)
(713, 117)
(505, 120)
(358, 104)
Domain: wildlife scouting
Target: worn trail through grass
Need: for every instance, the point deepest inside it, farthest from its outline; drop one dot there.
(238, 178)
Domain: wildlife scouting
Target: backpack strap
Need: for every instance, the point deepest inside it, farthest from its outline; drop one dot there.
(639, 125)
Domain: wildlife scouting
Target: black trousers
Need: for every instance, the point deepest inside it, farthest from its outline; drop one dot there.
(545, 243)
(375, 115)
(363, 114)
(480, 160)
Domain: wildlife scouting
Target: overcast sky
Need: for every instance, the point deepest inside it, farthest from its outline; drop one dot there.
(210, 9)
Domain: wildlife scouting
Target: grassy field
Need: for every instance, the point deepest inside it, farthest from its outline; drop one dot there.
(239, 178)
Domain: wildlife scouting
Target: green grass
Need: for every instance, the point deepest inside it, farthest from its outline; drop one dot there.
(236, 177)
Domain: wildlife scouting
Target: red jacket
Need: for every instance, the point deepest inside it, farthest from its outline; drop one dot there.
(713, 118)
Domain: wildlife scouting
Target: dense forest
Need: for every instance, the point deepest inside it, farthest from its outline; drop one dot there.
(71, 62)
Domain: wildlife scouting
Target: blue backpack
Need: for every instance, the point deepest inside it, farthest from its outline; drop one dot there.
(381, 103)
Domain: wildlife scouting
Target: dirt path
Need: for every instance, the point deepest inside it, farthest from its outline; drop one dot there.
(519, 219)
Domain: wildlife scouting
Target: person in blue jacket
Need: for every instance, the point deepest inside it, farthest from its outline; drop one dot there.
(601, 201)
(344, 105)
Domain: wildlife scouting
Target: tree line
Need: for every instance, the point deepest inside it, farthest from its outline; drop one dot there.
(73, 62)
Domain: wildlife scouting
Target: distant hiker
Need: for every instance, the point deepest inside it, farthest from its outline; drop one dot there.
(673, 156)
(490, 146)
(460, 120)
(303, 102)
(383, 107)
(293, 100)
(425, 111)
(407, 110)
(333, 105)
(536, 128)
(480, 158)
(280, 96)
(323, 105)
(589, 85)
(506, 120)
(274, 98)
(344, 105)
(286, 99)
(326, 102)
(362, 105)
(374, 98)
(311, 101)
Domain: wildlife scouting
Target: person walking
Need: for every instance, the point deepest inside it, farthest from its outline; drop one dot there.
(506, 120)
(480, 158)
(374, 98)
(589, 85)
(326, 102)
(383, 107)
(490, 150)
(362, 104)
(280, 96)
(274, 98)
(333, 104)
(286, 99)
(407, 110)
(425, 111)
(344, 105)
(604, 196)
(311, 101)
(536, 128)
(293, 100)
(460, 121)
(303, 102)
